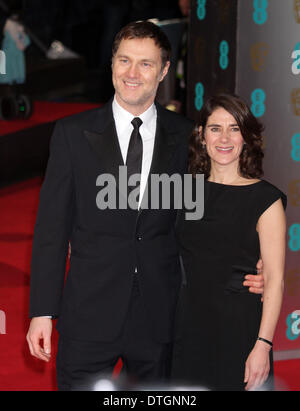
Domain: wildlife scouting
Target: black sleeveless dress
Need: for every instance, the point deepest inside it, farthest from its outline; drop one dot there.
(218, 318)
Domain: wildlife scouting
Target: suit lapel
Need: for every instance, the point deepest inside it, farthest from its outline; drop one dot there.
(105, 144)
(162, 151)
(106, 147)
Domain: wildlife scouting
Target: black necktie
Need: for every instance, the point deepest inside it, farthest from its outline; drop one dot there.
(135, 150)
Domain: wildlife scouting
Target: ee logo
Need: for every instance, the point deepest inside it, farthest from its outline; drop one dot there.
(294, 241)
(224, 49)
(199, 90)
(258, 98)
(296, 58)
(201, 10)
(260, 15)
(295, 153)
(293, 323)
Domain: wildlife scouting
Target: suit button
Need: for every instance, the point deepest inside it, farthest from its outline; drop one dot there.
(139, 238)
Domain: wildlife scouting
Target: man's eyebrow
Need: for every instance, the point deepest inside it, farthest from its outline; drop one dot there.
(143, 60)
(149, 60)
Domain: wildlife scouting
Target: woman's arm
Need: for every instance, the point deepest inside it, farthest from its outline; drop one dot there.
(271, 228)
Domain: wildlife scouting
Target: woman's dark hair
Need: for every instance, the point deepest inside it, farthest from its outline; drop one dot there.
(142, 30)
(250, 165)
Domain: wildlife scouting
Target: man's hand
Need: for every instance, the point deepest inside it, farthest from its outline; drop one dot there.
(40, 329)
(255, 282)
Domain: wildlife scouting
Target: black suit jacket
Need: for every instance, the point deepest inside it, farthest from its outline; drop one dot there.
(106, 245)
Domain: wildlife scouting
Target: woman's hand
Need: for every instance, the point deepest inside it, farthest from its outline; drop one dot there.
(257, 366)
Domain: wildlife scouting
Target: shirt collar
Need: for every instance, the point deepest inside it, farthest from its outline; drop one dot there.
(123, 118)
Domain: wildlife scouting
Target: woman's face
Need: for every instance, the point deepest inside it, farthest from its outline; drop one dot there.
(223, 138)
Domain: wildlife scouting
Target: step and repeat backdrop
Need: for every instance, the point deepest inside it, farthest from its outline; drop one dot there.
(211, 51)
(252, 48)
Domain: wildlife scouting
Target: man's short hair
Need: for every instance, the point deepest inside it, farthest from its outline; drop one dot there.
(142, 30)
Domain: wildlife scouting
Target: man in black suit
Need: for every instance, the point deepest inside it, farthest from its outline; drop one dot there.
(120, 295)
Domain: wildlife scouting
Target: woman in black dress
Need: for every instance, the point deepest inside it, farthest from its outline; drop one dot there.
(225, 332)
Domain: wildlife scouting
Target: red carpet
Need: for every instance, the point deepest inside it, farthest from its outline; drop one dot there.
(18, 370)
(44, 112)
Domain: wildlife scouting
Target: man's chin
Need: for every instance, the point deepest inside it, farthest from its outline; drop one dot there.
(135, 102)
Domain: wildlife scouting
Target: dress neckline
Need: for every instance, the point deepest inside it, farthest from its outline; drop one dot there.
(232, 185)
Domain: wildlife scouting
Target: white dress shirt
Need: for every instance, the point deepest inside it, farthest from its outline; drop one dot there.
(147, 130)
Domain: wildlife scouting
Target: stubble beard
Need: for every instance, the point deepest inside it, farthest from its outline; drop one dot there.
(138, 101)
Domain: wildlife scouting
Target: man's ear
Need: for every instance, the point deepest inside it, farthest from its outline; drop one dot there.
(165, 71)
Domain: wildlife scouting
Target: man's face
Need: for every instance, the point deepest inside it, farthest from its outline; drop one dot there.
(136, 74)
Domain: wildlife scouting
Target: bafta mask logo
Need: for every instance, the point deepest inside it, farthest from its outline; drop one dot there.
(294, 193)
(259, 53)
(292, 281)
(225, 7)
(199, 51)
(295, 100)
(297, 10)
